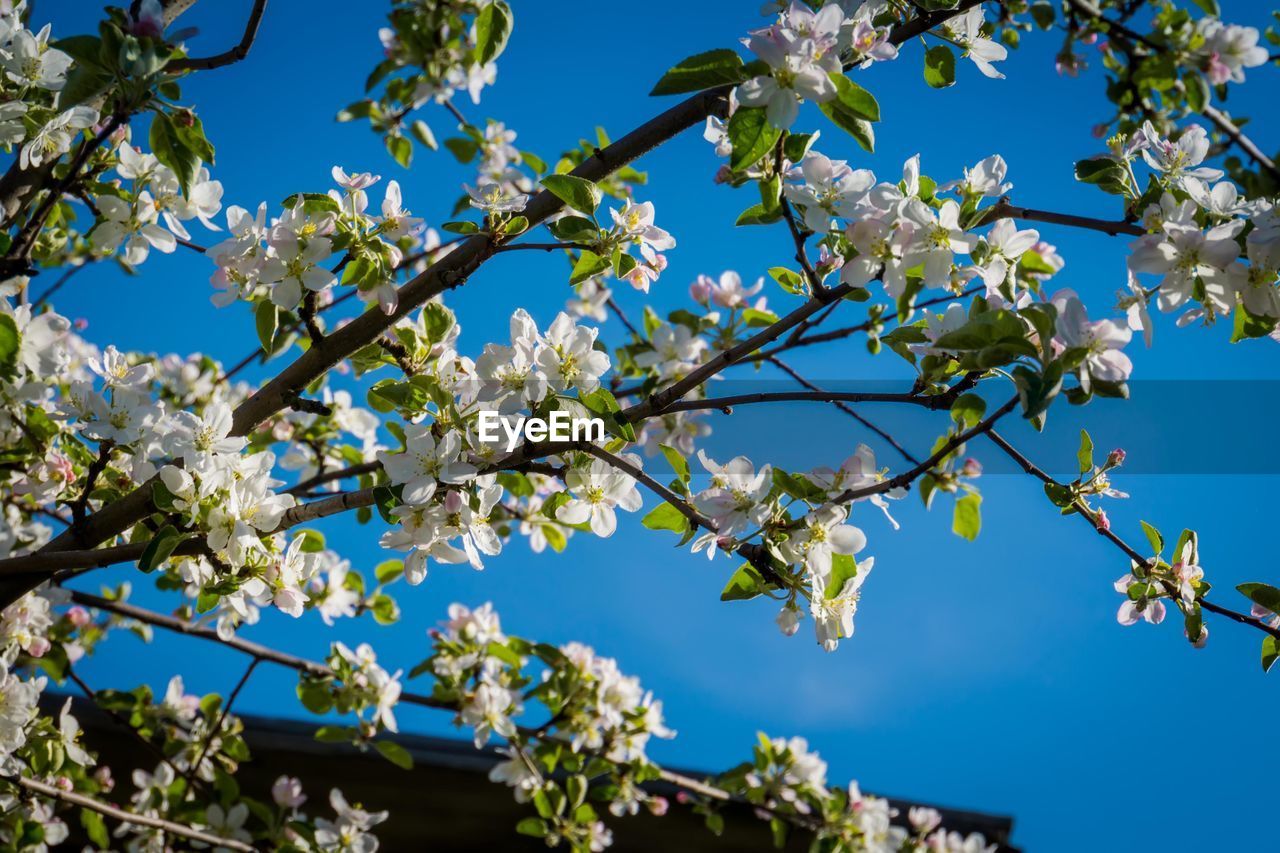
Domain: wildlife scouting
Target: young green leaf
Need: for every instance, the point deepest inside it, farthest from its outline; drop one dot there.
(967, 520)
(492, 29)
(751, 135)
(939, 66)
(579, 193)
(702, 71)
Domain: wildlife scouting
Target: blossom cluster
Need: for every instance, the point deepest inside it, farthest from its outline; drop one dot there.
(33, 73)
(786, 779)
(131, 219)
(595, 715)
(286, 259)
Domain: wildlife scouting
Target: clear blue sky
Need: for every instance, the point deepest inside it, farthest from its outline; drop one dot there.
(989, 676)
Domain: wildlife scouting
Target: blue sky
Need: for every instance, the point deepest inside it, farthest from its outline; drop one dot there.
(990, 675)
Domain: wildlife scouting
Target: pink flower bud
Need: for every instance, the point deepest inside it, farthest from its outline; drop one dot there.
(78, 616)
(657, 806)
(700, 290)
(103, 777)
(80, 324)
(38, 647)
(64, 784)
(972, 468)
(452, 502)
(1102, 521)
(1116, 458)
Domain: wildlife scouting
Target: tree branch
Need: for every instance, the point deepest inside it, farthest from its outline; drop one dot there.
(227, 57)
(1086, 514)
(180, 830)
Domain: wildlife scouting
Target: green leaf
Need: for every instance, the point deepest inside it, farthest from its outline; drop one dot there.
(1104, 172)
(159, 548)
(461, 227)
(789, 279)
(574, 229)
(172, 152)
(677, 462)
(532, 826)
(421, 131)
(555, 537)
(967, 520)
(860, 129)
(313, 203)
(746, 583)
(400, 149)
(312, 541)
(190, 132)
(588, 265)
(84, 82)
(267, 319)
(85, 50)
(843, 567)
(463, 149)
(1085, 454)
(388, 570)
(968, 410)
(579, 193)
(751, 135)
(9, 343)
(1043, 14)
(335, 734)
(315, 696)
(1261, 594)
(702, 71)
(492, 28)
(758, 214)
(96, 828)
(939, 66)
(1154, 537)
(1248, 325)
(392, 751)
(1270, 652)
(854, 99)
(756, 318)
(665, 517)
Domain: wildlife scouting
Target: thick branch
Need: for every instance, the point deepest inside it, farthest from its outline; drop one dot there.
(1113, 227)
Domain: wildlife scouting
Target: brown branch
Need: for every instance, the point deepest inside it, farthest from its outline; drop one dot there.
(1113, 227)
(1233, 132)
(846, 408)
(1087, 515)
(451, 271)
(181, 830)
(15, 259)
(906, 478)
(57, 285)
(310, 483)
(696, 518)
(227, 57)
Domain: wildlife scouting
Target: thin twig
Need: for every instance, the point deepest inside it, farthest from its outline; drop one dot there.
(846, 408)
(1129, 551)
(116, 813)
(227, 57)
